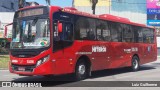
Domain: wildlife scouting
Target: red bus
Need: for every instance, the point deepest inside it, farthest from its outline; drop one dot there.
(50, 40)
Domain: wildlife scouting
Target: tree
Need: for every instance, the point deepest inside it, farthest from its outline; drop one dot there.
(21, 3)
(94, 3)
(48, 2)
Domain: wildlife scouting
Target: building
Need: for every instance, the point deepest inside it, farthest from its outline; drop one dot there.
(6, 18)
(8, 5)
(103, 6)
(7, 9)
(135, 10)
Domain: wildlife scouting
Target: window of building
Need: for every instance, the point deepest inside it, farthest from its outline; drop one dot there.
(119, 1)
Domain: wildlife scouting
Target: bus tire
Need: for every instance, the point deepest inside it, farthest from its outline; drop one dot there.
(81, 70)
(49, 76)
(135, 63)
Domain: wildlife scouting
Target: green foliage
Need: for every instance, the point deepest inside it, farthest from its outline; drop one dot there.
(4, 61)
(2, 43)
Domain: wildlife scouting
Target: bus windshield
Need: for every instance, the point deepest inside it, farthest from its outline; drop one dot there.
(30, 34)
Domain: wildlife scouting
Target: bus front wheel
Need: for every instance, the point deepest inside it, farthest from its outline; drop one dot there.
(135, 63)
(81, 70)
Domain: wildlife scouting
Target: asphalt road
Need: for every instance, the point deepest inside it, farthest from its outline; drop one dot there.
(148, 72)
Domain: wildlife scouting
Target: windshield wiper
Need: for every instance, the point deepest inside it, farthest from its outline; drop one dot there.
(35, 21)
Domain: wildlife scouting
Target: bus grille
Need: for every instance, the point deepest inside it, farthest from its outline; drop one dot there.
(26, 68)
(24, 53)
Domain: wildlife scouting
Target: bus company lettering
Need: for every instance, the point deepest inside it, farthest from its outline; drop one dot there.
(99, 49)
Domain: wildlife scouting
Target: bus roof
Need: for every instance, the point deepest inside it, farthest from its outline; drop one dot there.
(108, 17)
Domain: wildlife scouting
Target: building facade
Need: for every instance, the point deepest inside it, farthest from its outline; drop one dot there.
(7, 9)
(135, 10)
(6, 18)
(8, 5)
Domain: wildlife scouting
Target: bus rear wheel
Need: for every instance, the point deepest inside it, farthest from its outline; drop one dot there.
(135, 63)
(81, 70)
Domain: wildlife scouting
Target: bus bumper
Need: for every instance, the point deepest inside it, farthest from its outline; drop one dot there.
(46, 68)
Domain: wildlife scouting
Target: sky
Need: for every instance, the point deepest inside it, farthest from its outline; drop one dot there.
(62, 3)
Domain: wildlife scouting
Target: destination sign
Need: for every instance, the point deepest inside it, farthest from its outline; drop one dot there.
(31, 12)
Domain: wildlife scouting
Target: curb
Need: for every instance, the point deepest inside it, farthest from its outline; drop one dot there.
(3, 68)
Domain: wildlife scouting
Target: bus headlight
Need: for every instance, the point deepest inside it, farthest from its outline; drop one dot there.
(42, 60)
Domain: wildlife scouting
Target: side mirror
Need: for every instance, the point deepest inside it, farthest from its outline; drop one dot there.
(6, 30)
(60, 27)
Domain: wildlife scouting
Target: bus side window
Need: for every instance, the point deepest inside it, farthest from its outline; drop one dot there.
(127, 33)
(103, 32)
(138, 34)
(81, 26)
(56, 34)
(148, 35)
(135, 34)
(85, 29)
(152, 35)
(116, 32)
(91, 32)
(68, 31)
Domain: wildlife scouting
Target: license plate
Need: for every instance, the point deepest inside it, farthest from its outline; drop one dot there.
(21, 68)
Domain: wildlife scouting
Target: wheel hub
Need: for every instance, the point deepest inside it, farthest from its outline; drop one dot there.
(135, 64)
(81, 69)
